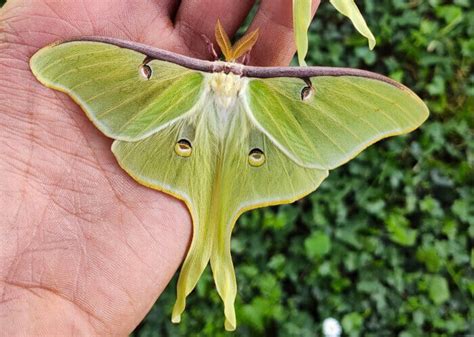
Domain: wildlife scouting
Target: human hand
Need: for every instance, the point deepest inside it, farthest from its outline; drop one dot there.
(84, 249)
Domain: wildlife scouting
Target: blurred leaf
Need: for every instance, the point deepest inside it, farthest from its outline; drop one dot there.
(399, 232)
(430, 258)
(352, 322)
(317, 245)
(439, 291)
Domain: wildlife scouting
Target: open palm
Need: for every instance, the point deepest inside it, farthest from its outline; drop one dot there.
(83, 248)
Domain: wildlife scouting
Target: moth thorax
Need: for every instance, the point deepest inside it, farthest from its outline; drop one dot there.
(226, 87)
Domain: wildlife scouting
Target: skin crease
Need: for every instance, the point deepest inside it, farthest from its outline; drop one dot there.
(84, 249)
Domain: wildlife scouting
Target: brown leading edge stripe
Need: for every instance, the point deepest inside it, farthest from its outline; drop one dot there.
(235, 68)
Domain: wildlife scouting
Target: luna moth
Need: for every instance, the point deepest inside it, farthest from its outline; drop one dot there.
(221, 136)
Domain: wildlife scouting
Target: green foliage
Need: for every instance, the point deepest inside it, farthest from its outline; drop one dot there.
(352, 322)
(385, 244)
(317, 245)
(439, 291)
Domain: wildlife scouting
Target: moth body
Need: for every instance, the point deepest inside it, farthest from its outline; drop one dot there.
(224, 89)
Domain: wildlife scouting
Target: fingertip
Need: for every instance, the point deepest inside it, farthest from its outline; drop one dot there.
(276, 45)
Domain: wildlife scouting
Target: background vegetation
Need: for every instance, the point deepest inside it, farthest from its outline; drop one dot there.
(385, 244)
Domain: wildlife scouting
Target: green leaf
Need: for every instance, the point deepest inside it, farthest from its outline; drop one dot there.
(430, 258)
(397, 225)
(349, 9)
(464, 209)
(352, 322)
(301, 22)
(439, 290)
(317, 245)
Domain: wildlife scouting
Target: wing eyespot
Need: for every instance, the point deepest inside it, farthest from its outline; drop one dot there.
(256, 157)
(306, 93)
(183, 148)
(145, 71)
(308, 90)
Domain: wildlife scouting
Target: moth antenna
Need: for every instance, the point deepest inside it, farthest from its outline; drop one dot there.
(210, 47)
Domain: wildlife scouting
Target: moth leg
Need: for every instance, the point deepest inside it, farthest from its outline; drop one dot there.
(308, 90)
(210, 48)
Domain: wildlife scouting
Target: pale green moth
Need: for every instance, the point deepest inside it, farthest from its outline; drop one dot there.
(224, 137)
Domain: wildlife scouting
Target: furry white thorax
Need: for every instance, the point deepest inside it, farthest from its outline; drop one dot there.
(224, 92)
(226, 88)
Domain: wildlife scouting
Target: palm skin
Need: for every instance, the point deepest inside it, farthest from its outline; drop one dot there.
(84, 249)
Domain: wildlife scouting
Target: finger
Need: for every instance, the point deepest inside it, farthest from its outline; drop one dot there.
(276, 43)
(197, 17)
